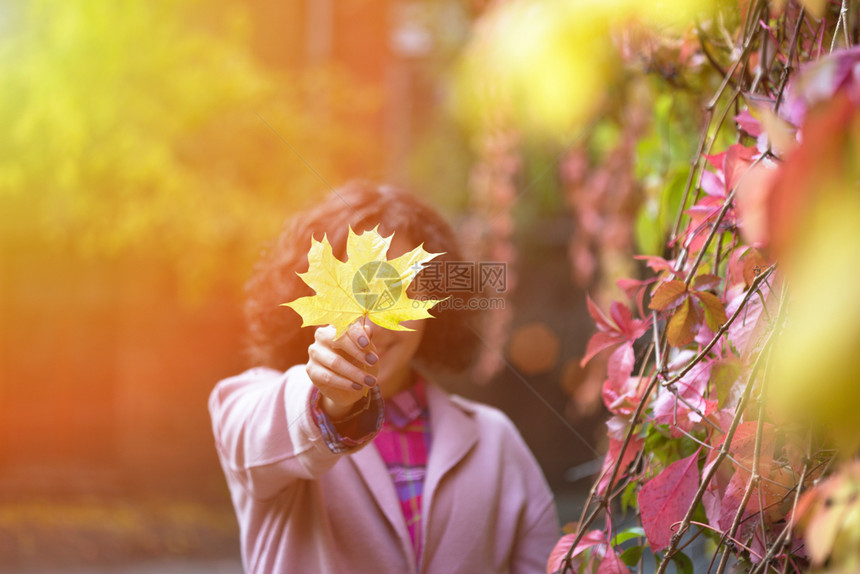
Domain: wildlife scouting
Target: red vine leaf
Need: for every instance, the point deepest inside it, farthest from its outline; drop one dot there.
(621, 396)
(621, 363)
(682, 325)
(612, 564)
(556, 557)
(609, 461)
(598, 342)
(617, 329)
(750, 325)
(665, 499)
(669, 294)
(706, 282)
(731, 502)
(692, 387)
(748, 123)
(754, 264)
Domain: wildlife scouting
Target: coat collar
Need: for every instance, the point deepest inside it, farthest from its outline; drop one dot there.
(454, 433)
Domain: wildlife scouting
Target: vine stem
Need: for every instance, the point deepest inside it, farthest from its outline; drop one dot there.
(842, 22)
(733, 540)
(779, 543)
(695, 163)
(724, 449)
(723, 328)
(752, 484)
(605, 500)
(792, 51)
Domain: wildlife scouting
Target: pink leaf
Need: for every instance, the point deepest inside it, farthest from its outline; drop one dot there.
(601, 320)
(620, 314)
(631, 328)
(713, 184)
(621, 363)
(691, 387)
(738, 160)
(622, 396)
(716, 160)
(749, 124)
(556, 557)
(612, 564)
(630, 453)
(598, 342)
(749, 326)
(742, 448)
(658, 264)
(706, 282)
(665, 499)
(635, 289)
(731, 502)
(712, 498)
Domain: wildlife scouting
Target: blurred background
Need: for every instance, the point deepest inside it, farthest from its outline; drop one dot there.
(151, 148)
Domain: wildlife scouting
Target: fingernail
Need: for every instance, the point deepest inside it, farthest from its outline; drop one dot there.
(369, 381)
(371, 358)
(357, 387)
(362, 341)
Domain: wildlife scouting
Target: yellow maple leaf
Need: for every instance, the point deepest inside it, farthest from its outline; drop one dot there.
(366, 285)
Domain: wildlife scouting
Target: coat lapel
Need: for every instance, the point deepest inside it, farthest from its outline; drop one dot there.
(373, 471)
(455, 432)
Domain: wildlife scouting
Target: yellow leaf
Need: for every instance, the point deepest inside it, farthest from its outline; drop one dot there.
(366, 285)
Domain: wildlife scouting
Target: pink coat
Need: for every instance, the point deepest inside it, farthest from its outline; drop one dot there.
(486, 505)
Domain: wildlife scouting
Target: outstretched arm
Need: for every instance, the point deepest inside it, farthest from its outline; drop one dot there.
(264, 421)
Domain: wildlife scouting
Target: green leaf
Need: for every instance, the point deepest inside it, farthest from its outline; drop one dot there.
(683, 564)
(628, 497)
(632, 555)
(628, 534)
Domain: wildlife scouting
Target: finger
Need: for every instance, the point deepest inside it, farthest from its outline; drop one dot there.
(358, 345)
(325, 335)
(339, 364)
(336, 387)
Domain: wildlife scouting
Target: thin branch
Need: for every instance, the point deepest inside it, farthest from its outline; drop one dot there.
(605, 500)
(724, 449)
(723, 328)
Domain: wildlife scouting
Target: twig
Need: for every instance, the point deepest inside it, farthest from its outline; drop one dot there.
(753, 481)
(792, 51)
(724, 449)
(779, 543)
(605, 500)
(842, 22)
(723, 328)
(685, 523)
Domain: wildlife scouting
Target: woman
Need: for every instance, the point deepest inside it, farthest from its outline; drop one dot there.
(342, 455)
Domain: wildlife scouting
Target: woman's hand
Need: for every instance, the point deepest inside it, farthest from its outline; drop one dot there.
(342, 370)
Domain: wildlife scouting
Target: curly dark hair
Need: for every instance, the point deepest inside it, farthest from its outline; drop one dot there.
(275, 336)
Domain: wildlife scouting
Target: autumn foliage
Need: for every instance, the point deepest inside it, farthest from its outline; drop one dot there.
(728, 365)
(723, 419)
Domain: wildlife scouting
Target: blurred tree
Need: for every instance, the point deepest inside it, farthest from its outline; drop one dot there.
(149, 127)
